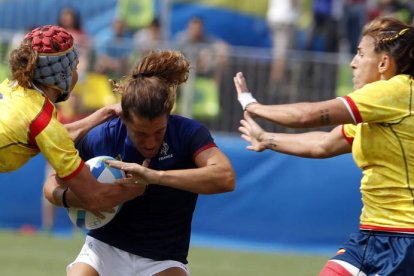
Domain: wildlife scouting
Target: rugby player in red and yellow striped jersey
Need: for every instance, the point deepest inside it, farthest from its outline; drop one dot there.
(375, 122)
(43, 72)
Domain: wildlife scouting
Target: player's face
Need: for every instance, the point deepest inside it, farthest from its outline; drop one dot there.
(74, 78)
(365, 64)
(147, 135)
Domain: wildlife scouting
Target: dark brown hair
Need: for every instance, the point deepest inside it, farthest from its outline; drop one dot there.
(395, 38)
(149, 91)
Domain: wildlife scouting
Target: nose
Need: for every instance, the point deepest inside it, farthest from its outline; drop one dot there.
(150, 142)
(353, 63)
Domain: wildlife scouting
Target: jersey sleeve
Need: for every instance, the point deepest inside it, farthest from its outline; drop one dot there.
(379, 102)
(99, 141)
(54, 142)
(200, 141)
(348, 131)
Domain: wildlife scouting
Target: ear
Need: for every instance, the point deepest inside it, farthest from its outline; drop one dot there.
(385, 64)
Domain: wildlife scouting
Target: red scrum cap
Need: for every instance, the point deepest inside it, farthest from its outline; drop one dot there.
(50, 39)
(57, 57)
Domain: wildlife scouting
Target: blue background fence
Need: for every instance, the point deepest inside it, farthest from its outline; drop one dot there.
(280, 202)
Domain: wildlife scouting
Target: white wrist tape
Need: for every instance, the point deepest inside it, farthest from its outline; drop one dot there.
(245, 99)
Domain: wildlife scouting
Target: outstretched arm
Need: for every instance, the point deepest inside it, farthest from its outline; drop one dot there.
(315, 144)
(296, 115)
(79, 128)
(213, 175)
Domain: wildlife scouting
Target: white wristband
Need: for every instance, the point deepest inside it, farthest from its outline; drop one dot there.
(245, 99)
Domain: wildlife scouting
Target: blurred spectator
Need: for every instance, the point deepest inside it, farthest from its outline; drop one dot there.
(148, 38)
(136, 14)
(210, 55)
(281, 17)
(402, 10)
(324, 34)
(209, 52)
(113, 51)
(303, 24)
(70, 19)
(355, 16)
(74, 108)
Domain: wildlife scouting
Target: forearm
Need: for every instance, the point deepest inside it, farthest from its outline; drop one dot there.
(95, 196)
(54, 192)
(79, 128)
(211, 179)
(303, 145)
(303, 115)
(288, 115)
(316, 144)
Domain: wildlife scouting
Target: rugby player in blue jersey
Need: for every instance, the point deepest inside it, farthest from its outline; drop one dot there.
(179, 160)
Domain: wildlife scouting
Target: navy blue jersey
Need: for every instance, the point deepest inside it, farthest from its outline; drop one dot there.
(156, 225)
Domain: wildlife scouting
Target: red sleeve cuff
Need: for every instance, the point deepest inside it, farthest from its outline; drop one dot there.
(75, 173)
(349, 139)
(354, 109)
(210, 145)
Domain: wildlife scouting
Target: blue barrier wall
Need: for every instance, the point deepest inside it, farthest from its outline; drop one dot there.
(280, 202)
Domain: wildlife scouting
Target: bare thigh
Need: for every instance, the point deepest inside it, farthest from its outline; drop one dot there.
(82, 269)
(172, 271)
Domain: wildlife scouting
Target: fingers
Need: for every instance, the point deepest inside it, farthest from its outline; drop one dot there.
(98, 214)
(122, 165)
(244, 123)
(114, 163)
(249, 120)
(146, 163)
(240, 83)
(247, 138)
(248, 117)
(118, 109)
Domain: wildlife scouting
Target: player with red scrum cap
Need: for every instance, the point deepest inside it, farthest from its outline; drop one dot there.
(44, 72)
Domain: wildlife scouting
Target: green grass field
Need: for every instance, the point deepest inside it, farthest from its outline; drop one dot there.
(43, 255)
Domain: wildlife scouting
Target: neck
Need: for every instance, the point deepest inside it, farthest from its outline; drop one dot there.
(50, 92)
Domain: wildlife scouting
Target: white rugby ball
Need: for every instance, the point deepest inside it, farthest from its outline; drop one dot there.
(104, 174)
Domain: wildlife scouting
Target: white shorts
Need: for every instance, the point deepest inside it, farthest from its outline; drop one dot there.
(108, 261)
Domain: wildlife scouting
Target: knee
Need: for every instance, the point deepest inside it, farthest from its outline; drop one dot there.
(334, 269)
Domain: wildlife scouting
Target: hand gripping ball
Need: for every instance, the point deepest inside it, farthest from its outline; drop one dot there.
(104, 174)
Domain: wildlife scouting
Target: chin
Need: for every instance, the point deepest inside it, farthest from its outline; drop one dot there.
(149, 155)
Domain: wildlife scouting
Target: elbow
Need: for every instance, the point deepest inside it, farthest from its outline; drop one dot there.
(320, 152)
(228, 182)
(50, 195)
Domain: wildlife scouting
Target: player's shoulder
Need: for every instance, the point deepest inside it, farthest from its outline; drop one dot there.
(181, 123)
(111, 129)
(178, 119)
(398, 83)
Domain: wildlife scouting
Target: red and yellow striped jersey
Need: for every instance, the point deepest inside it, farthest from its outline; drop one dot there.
(29, 125)
(383, 147)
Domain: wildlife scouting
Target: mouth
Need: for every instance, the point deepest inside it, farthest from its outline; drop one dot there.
(149, 153)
